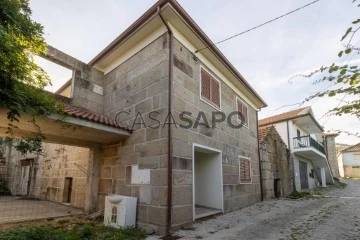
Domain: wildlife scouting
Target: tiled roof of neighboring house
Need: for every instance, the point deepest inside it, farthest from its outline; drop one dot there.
(263, 132)
(353, 148)
(285, 116)
(91, 116)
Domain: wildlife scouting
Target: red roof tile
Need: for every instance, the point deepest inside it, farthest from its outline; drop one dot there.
(285, 116)
(263, 132)
(91, 116)
(354, 148)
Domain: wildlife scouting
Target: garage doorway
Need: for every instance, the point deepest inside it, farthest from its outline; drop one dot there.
(207, 182)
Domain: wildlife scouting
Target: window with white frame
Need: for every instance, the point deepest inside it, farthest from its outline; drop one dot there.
(242, 108)
(210, 88)
(245, 169)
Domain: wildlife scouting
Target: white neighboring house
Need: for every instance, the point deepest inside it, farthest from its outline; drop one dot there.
(304, 136)
(349, 162)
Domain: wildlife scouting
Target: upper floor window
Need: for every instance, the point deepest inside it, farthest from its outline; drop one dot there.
(242, 108)
(298, 133)
(210, 88)
(245, 170)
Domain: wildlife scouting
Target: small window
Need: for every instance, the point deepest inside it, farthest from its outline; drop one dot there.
(242, 108)
(245, 170)
(357, 156)
(114, 214)
(210, 88)
(298, 133)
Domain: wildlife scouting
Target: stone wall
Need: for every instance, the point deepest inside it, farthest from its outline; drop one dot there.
(332, 155)
(137, 166)
(87, 83)
(139, 85)
(48, 172)
(275, 165)
(232, 142)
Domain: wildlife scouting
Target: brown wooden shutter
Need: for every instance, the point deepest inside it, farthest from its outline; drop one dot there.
(210, 88)
(245, 170)
(245, 114)
(215, 92)
(239, 109)
(205, 85)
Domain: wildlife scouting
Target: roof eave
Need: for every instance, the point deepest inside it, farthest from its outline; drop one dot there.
(150, 13)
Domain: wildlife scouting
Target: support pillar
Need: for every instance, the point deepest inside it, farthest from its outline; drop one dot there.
(323, 177)
(92, 180)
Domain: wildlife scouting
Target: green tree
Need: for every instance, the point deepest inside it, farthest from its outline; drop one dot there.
(345, 77)
(22, 80)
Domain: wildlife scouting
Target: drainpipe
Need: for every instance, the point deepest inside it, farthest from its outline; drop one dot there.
(260, 171)
(291, 160)
(169, 180)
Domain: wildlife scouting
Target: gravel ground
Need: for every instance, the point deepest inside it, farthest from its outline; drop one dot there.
(334, 216)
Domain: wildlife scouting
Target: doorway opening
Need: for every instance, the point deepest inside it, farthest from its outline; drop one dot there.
(25, 177)
(67, 190)
(207, 182)
(277, 192)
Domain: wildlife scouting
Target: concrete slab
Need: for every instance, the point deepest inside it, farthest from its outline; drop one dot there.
(18, 209)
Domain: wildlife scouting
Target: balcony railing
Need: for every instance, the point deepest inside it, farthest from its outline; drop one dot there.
(307, 141)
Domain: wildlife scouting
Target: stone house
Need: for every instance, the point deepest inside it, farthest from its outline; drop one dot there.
(304, 137)
(276, 172)
(349, 161)
(157, 117)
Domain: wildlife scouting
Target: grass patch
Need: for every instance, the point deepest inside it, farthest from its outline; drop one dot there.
(339, 185)
(72, 230)
(298, 195)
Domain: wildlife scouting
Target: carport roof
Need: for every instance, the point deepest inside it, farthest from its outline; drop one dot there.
(91, 116)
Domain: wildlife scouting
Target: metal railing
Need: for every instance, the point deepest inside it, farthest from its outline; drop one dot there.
(307, 141)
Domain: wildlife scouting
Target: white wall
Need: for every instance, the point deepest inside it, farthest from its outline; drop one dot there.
(281, 128)
(349, 159)
(208, 180)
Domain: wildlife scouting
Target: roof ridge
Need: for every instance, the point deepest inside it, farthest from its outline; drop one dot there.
(352, 148)
(285, 116)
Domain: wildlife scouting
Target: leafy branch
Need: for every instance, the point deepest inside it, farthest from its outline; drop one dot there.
(22, 80)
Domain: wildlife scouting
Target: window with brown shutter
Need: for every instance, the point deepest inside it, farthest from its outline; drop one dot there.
(245, 170)
(210, 88)
(243, 109)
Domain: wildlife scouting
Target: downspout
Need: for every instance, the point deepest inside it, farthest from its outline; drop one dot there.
(258, 141)
(169, 179)
(291, 160)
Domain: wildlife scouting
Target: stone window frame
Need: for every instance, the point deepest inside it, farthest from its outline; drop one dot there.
(207, 101)
(250, 173)
(247, 122)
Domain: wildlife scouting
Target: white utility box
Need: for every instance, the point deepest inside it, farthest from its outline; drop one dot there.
(120, 211)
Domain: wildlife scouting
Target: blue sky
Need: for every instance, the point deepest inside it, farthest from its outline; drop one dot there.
(267, 57)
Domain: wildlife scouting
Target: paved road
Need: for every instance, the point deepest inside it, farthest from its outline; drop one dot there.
(336, 216)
